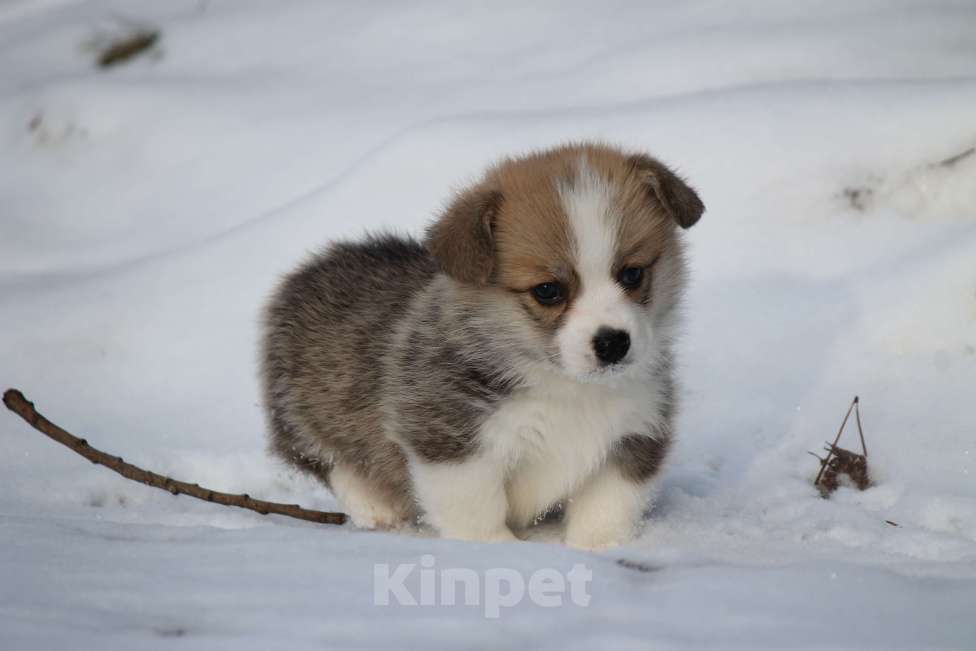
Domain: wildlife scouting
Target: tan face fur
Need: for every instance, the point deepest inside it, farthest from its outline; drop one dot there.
(576, 217)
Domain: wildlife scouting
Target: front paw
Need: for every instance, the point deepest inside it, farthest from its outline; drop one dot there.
(503, 536)
(606, 512)
(596, 536)
(497, 535)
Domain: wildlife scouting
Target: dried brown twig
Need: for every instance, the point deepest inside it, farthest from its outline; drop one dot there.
(844, 462)
(17, 403)
(955, 158)
(128, 47)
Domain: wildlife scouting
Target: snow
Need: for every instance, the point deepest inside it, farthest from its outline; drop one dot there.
(147, 210)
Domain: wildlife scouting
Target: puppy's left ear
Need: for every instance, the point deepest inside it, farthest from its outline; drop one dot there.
(462, 241)
(674, 195)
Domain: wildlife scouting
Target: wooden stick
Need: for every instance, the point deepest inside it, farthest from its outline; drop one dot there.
(860, 431)
(17, 403)
(128, 47)
(830, 451)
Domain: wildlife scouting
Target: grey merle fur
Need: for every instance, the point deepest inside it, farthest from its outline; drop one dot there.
(332, 372)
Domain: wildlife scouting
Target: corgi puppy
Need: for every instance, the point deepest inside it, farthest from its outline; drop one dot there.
(516, 360)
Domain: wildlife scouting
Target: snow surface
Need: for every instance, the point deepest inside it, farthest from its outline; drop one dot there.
(147, 210)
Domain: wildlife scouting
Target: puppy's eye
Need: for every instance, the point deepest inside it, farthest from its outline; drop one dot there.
(630, 277)
(548, 293)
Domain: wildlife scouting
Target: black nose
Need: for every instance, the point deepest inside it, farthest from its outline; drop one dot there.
(611, 345)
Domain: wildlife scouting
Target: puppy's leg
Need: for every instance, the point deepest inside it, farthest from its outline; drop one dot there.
(531, 490)
(606, 511)
(608, 508)
(464, 500)
(368, 506)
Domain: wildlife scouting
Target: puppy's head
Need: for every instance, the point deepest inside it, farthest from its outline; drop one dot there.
(584, 241)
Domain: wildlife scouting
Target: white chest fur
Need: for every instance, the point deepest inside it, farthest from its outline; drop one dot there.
(552, 436)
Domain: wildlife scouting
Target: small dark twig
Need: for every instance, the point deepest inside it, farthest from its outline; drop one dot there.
(17, 403)
(637, 566)
(843, 462)
(836, 441)
(955, 158)
(128, 47)
(860, 431)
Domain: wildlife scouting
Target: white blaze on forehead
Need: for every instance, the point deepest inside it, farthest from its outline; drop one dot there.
(592, 214)
(588, 203)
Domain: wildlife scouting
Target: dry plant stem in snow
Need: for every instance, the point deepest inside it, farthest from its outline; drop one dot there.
(17, 403)
(127, 47)
(844, 462)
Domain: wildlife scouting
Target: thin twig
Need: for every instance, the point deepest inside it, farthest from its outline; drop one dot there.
(830, 450)
(860, 432)
(952, 160)
(128, 47)
(17, 403)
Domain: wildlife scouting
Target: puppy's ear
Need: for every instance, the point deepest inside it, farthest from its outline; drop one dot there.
(677, 198)
(462, 241)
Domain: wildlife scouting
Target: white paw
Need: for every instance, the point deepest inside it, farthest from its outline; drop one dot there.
(367, 507)
(373, 516)
(606, 512)
(501, 535)
(595, 529)
(598, 538)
